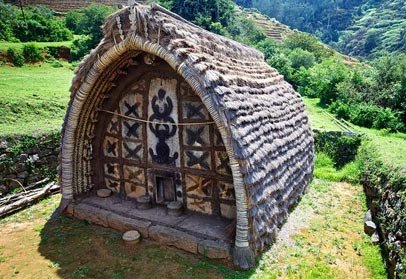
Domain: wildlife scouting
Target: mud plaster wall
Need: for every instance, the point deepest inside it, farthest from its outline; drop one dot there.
(129, 155)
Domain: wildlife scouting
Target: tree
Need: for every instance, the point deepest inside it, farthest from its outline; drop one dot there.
(205, 12)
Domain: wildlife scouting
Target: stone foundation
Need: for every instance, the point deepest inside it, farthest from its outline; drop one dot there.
(172, 231)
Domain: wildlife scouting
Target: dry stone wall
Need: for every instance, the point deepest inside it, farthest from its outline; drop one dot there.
(27, 159)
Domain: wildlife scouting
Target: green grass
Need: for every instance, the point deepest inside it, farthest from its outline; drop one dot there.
(318, 118)
(391, 147)
(33, 98)
(4, 46)
(329, 243)
(324, 169)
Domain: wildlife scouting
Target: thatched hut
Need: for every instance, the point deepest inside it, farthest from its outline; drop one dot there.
(163, 111)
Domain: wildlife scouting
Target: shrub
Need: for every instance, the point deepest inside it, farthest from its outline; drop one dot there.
(72, 21)
(323, 80)
(40, 25)
(268, 47)
(89, 25)
(81, 47)
(16, 57)
(7, 20)
(32, 53)
(37, 24)
(309, 43)
(301, 58)
(341, 148)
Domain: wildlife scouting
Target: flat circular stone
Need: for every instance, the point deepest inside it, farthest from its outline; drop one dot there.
(131, 237)
(175, 205)
(104, 193)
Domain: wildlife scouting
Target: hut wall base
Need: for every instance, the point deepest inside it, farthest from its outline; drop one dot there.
(243, 257)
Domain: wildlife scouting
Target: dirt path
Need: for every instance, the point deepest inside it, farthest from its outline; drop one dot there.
(322, 239)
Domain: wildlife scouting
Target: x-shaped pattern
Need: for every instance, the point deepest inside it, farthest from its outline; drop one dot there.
(193, 137)
(112, 148)
(197, 160)
(132, 130)
(114, 128)
(200, 186)
(131, 109)
(132, 153)
(194, 111)
(134, 174)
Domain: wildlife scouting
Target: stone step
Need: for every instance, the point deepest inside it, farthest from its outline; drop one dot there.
(162, 234)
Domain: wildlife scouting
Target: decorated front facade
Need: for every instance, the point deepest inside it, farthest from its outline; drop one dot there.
(157, 138)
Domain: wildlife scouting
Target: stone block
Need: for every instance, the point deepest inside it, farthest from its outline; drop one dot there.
(369, 228)
(124, 224)
(172, 237)
(91, 214)
(214, 249)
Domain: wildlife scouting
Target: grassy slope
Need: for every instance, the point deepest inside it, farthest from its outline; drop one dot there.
(4, 46)
(391, 147)
(322, 239)
(33, 98)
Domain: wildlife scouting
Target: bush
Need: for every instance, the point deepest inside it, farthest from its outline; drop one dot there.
(32, 53)
(38, 24)
(301, 58)
(341, 148)
(88, 24)
(16, 57)
(309, 43)
(7, 20)
(323, 79)
(268, 47)
(81, 47)
(368, 115)
(72, 21)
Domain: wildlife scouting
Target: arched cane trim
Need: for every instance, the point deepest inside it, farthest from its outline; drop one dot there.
(135, 42)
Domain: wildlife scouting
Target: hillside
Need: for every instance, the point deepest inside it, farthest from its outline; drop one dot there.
(380, 28)
(361, 28)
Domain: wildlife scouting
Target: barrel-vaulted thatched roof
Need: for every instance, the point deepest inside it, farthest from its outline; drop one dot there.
(261, 118)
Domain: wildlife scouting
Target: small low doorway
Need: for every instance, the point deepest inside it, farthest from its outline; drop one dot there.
(165, 189)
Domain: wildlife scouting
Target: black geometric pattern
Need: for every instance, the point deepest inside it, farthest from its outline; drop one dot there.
(195, 111)
(131, 109)
(223, 163)
(194, 136)
(132, 153)
(112, 148)
(114, 126)
(131, 129)
(194, 159)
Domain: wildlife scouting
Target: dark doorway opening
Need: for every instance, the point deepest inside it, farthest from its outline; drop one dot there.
(165, 189)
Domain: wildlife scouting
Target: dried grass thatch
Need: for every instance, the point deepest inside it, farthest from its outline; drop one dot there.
(261, 118)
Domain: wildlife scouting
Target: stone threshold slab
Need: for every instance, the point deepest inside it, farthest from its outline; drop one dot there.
(159, 232)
